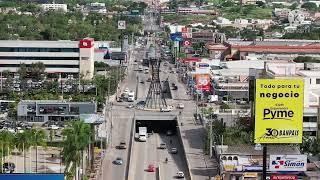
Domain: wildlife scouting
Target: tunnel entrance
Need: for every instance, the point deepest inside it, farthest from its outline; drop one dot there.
(157, 124)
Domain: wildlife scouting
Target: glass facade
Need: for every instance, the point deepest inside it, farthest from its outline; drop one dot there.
(37, 58)
(47, 65)
(32, 49)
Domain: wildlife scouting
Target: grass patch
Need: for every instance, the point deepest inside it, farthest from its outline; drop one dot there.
(188, 19)
(253, 12)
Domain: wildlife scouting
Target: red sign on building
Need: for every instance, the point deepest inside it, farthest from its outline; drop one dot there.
(283, 177)
(86, 43)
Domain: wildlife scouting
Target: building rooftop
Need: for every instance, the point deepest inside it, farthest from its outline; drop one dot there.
(309, 73)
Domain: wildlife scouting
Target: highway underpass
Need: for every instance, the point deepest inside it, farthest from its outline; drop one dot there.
(157, 124)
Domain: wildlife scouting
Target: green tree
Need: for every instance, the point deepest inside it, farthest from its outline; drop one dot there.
(37, 70)
(23, 143)
(310, 6)
(6, 143)
(77, 137)
(294, 6)
(37, 138)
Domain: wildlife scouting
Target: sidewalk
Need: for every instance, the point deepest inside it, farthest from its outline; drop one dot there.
(192, 133)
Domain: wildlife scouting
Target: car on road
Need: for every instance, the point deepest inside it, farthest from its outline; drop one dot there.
(169, 133)
(180, 106)
(165, 109)
(163, 146)
(118, 161)
(122, 145)
(151, 168)
(174, 150)
(130, 106)
(149, 80)
(120, 99)
(180, 174)
(142, 82)
(175, 88)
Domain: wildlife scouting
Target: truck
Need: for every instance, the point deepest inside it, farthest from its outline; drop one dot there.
(143, 134)
(131, 96)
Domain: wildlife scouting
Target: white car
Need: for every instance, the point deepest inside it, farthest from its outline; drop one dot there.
(166, 109)
(180, 174)
(180, 106)
(130, 106)
(54, 127)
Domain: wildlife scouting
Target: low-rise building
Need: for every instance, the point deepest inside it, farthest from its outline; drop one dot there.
(245, 161)
(53, 110)
(98, 8)
(55, 7)
(195, 10)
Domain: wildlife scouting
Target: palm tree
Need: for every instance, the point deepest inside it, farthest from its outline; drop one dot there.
(77, 138)
(22, 142)
(6, 143)
(37, 138)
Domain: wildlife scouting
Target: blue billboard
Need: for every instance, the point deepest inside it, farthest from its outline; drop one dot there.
(176, 36)
(33, 176)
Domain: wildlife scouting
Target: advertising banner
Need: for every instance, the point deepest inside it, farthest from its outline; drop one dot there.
(283, 177)
(176, 36)
(203, 82)
(279, 111)
(288, 163)
(202, 68)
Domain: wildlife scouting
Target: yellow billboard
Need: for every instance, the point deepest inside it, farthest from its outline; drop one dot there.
(279, 111)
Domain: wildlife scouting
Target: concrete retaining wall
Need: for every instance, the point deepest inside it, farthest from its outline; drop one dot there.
(129, 171)
(179, 134)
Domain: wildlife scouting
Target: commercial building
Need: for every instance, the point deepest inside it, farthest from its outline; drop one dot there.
(266, 49)
(55, 7)
(53, 110)
(245, 161)
(72, 57)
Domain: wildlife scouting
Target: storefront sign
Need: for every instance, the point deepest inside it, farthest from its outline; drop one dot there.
(283, 177)
(229, 167)
(288, 163)
(250, 175)
(252, 168)
(279, 111)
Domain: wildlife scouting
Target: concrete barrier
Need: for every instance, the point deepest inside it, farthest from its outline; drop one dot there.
(185, 157)
(129, 171)
(158, 173)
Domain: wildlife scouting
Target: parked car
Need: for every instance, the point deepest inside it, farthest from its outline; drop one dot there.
(165, 109)
(130, 106)
(53, 127)
(8, 167)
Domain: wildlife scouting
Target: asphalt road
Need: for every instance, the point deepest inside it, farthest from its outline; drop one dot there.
(121, 118)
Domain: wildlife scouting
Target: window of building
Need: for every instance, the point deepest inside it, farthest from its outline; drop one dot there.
(317, 81)
(33, 49)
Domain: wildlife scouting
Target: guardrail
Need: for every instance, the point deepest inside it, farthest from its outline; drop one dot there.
(129, 172)
(184, 152)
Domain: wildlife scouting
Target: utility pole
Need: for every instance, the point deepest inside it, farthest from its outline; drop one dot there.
(210, 134)
(1, 80)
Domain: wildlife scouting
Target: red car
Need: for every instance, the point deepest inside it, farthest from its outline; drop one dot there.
(151, 168)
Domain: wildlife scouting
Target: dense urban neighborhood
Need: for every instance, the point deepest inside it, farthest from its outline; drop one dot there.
(159, 90)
